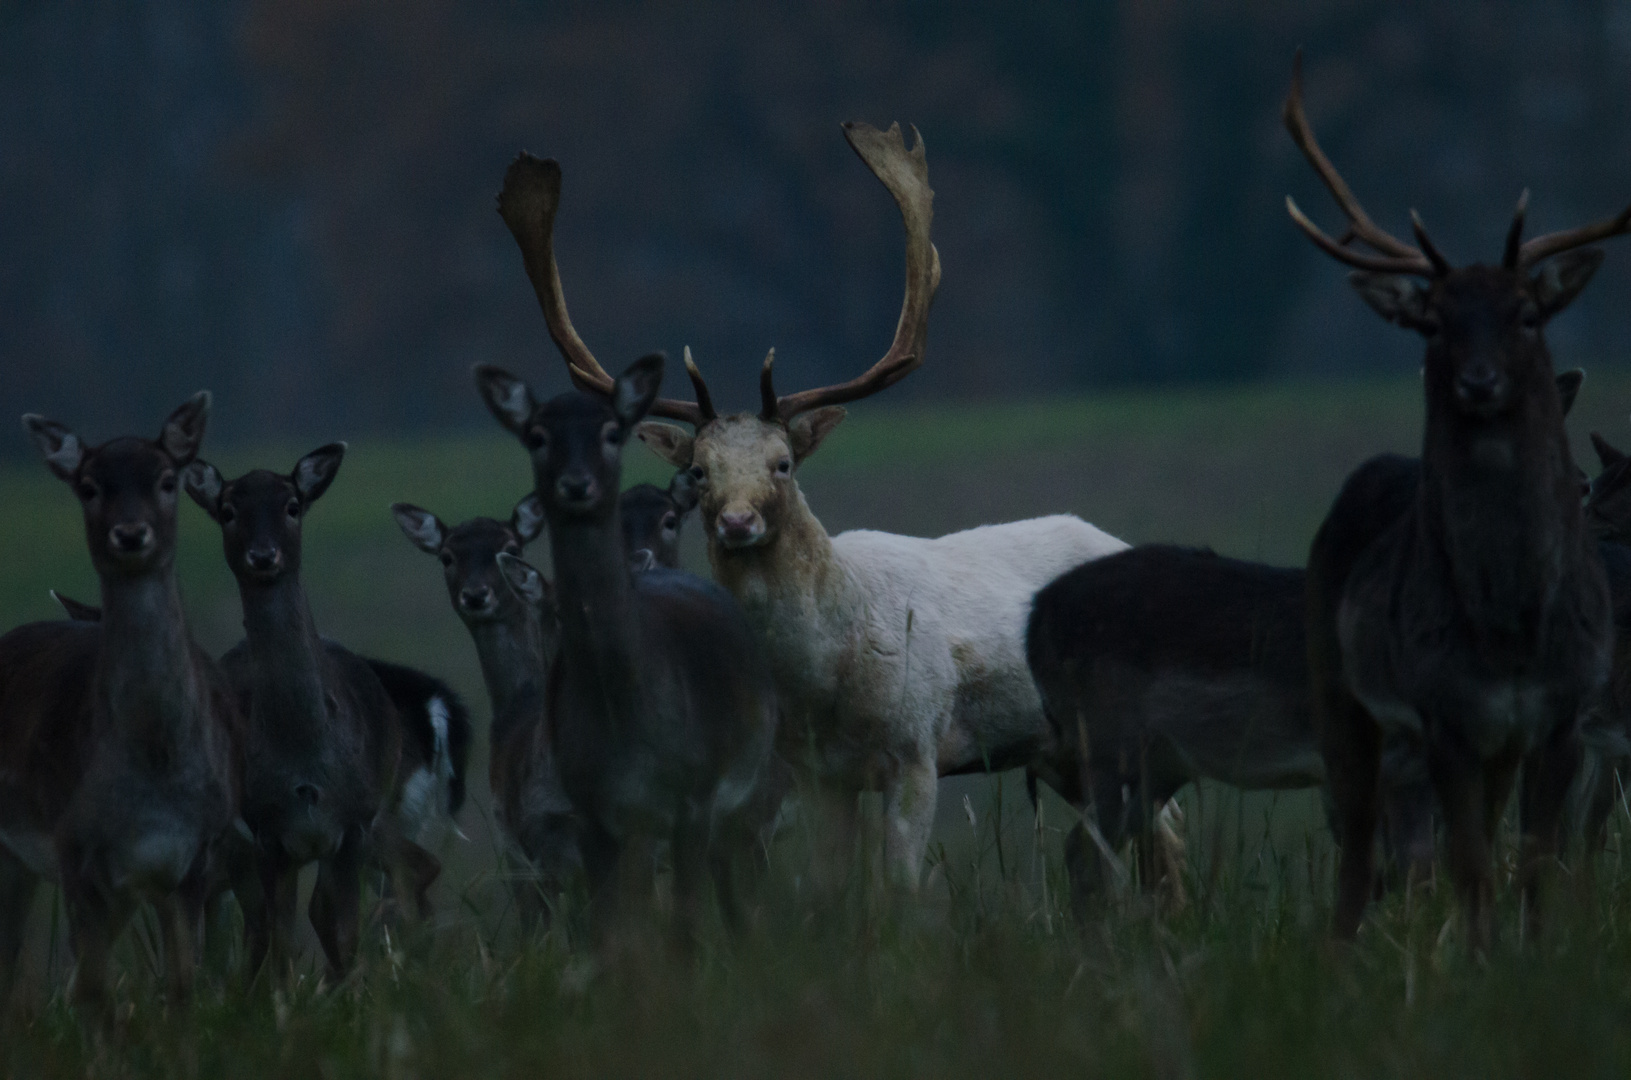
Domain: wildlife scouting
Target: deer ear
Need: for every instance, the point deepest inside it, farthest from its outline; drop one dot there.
(1396, 297)
(1606, 454)
(528, 518)
(508, 398)
(1560, 279)
(203, 482)
(806, 430)
(637, 388)
(524, 580)
(183, 432)
(316, 471)
(422, 527)
(1568, 387)
(61, 448)
(674, 445)
(682, 492)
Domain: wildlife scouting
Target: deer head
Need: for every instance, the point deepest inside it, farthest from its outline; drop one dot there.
(127, 487)
(1486, 350)
(743, 465)
(261, 512)
(469, 554)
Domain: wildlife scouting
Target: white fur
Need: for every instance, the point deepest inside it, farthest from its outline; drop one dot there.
(901, 658)
(426, 794)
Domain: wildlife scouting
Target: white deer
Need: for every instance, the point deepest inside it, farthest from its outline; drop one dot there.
(898, 660)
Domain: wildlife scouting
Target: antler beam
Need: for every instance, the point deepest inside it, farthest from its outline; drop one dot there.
(527, 203)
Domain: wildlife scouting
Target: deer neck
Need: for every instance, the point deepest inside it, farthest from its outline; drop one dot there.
(512, 658)
(285, 654)
(151, 686)
(595, 599)
(1501, 503)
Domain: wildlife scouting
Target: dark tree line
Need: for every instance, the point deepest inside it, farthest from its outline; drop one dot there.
(291, 201)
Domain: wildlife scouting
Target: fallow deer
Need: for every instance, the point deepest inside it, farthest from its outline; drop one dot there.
(119, 740)
(1479, 621)
(662, 712)
(898, 659)
(332, 774)
(652, 517)
(515, 638)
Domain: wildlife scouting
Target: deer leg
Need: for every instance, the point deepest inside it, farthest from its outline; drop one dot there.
(1463, 784)
(690, 853)
(95, 919)
(909, 800)
(1547, 774)
(336, 903)
(17, 887)
(280, 887)
(601, 859)
(1351, 744)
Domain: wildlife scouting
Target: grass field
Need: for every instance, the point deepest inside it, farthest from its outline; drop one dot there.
(985, 974)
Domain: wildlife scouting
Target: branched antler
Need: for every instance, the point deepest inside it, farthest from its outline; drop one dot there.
(527, 203)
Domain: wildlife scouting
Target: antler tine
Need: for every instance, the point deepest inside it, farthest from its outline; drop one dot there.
(1544, 247)
(705, 401)
(1514, 234)
(769, 403)
(906, 174)
(527, 203)
(1441, 265)
(1382, 264)
(1403, 258)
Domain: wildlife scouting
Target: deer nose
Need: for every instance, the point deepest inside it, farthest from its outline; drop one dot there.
(262, 559)
(310, 794)
(476, 598)
(738, 527)
(575, 489)
(131, 539)
(1478, 385)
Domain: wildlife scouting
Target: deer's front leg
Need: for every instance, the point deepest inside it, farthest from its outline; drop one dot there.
(336, 902)
(909, 801)
(17, 887)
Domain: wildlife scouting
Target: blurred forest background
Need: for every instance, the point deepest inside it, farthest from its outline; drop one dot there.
(290, 201)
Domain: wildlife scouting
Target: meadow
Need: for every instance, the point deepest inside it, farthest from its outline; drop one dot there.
(986, 973)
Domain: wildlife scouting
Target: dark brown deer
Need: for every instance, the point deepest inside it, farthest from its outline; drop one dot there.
(652, 518)
(515, 638)
(331, 775)
(662, 711)
(119, 739)
(1479, 621)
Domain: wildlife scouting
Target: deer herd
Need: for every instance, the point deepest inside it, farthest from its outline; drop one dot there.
(1453, 634)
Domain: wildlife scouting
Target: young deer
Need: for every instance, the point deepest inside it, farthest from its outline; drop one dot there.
(652, 518)
(661, 706)
(1478, 622)
(515, 638)
(119, 749)
(332, 776)
(898, 659)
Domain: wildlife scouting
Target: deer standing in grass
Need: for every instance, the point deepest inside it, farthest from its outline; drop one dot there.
(898, 659)
(1478, 622)
(119, 740)
(333, 775)
(661, 708)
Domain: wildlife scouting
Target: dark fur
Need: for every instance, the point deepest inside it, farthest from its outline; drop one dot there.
(652, 518)
(661, 703)
(327, 754)
(119, 741)
(1478, 620)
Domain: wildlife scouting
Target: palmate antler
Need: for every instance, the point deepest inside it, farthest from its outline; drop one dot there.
(1395, 256)
(527, 203)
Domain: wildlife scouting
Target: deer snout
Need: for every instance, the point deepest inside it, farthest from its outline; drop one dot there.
(263, 560)
(476, 598)
(1479, 385)
(131, 539)
(740, 528)
(310, 794)
(576, 488)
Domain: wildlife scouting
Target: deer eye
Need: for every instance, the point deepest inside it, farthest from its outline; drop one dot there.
(612, 434)
(698, 473)
(447, 559)
(228, 514)
(784, 467)
(1529, 316)
(87, 490)
(293, 509)
(167, 483)
(512, 548)
(670, 522)
(537, 438)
